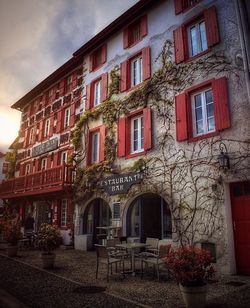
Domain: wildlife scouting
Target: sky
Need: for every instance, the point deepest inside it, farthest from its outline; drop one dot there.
(37, 37)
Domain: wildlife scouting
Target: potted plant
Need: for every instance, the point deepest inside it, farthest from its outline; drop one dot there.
(48, 240)
(191, 267)
(12, 234)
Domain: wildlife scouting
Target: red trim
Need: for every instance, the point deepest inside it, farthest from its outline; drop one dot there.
(205, 136)
(135, 154)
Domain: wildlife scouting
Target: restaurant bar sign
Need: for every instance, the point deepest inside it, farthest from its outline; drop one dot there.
(45, 147)
(120, 184)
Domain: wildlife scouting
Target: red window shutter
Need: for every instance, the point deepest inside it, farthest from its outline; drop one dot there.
(91, 62)
(62, 87)
(21, 170)
(212, 29)
(36, 165)
(104, 53)
(59, 121)
(125, 38)
(121, 137)
(51, 127)
(41, 126)
(179, 46)
(144, 26)
(72, 115)
(88, 148)
(147, 128)
(181, 117)
(88, 97)
(104, 86)
(124, 76)
(56, 159)
(102, 142)
(146, 60)
(221, 103)
(178, 4)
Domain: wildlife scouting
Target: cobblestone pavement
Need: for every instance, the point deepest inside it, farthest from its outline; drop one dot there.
(70, 284)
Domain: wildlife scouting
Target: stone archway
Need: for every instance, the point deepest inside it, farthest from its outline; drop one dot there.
(148, 215)
(97, 213)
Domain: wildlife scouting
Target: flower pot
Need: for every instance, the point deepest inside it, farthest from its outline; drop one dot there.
(48, 260)
(12, 250)
(194, 297)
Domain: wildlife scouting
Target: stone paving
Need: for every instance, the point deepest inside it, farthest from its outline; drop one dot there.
(68, 284)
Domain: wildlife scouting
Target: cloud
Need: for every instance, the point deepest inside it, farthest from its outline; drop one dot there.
(39, 36)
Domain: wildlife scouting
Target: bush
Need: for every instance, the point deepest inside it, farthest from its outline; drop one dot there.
(11, 231)
(190, 266)
(48, 238)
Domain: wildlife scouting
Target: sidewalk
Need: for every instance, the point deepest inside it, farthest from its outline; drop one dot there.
(9, 301)
(72, 284)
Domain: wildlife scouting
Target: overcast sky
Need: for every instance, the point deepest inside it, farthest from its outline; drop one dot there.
(38, 36)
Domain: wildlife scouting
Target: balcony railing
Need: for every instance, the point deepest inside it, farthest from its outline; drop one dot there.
(54, 179)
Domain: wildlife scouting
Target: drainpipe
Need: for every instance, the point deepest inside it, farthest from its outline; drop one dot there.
(244, 40)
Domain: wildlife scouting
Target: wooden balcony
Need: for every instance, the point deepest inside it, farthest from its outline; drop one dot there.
(42, 182)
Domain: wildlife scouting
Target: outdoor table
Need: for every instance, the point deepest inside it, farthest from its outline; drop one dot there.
(108, 229)
(132, 247)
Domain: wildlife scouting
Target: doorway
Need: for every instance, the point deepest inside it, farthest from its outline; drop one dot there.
(149, 216)
(240, 202)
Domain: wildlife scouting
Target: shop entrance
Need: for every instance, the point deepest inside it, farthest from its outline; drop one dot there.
(97, 214)
(149, 216)
(240, 201)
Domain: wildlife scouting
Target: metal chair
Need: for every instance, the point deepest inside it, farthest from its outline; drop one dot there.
(156, 259)
(104, 257)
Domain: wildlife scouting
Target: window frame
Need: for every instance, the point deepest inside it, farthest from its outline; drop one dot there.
(196, 24)
(31, 135)
(43, 164)
(64, 213)
(141, 26)
(92, 161)
(99, 97)
(140, 119)
(66, 120)
(206, 131)
(137, 78)
(64, 153)
(46, 128)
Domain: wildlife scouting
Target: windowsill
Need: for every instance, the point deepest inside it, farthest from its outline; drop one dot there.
(189, 59)
(197, 138)
(96, 68)
(190, 7)
(135, 154)
(133, 88)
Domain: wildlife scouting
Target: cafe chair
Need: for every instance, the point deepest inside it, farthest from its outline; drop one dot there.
(104, 257)
(152, 248)
(156, 259)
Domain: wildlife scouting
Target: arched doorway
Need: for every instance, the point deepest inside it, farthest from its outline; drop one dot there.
(149, 216)
(96, 214)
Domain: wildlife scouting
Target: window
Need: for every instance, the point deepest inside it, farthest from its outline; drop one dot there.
(202, 111)
(134, 133)
(95, 148)
(96, 145)
(43, 163)
(46, 128)
(64, 157)
(27, 169)
(32, 135)
(64, 210)
(196, 37)
(137, 135)
(182, 5)
(135, 70)
(98, 57)
(66, 117)
(97, 91)
(68, 83)
(135, 32)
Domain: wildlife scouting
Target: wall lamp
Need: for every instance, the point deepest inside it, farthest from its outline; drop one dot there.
(223, 157)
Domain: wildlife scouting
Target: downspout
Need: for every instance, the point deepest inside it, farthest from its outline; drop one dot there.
(244, 40)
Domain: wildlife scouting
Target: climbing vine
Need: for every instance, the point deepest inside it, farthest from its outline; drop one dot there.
(184, 174)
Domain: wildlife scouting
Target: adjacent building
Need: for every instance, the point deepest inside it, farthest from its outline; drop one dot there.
(162, 146)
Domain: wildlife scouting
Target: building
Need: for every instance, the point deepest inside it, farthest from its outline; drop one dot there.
(162, 148)
(43, 174)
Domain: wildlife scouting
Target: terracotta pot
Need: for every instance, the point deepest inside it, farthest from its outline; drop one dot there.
(12, 250)
(48, 260)
(194, 297)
